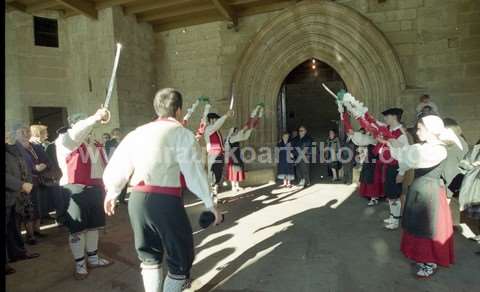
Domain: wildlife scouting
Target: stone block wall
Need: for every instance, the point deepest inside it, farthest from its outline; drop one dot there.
(34, 76)
(136, 83)
(76, 74)
(438, 44)
(436, 41)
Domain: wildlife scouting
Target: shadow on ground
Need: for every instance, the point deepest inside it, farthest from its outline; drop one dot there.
(322, 238)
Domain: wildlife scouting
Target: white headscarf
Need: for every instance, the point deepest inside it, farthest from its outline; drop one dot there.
(435, 125)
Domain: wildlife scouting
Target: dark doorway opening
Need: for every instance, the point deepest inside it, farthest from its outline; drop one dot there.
(303, 101)
(52, 117)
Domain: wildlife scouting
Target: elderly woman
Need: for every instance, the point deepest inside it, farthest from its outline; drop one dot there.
(427, 235)
(18, 187)
(47, 179)
(37, 163)
(331, 153)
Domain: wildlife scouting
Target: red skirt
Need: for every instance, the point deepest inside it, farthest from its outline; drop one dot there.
(375, 189)
(233, 173)
(439, 249)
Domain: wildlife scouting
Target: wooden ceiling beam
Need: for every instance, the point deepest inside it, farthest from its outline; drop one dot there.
(13, 5)
(155, 5)
(69, 13)
(226, 10)
(86, 8)
(243, 2)
(266, 8)
(205, 18)
(164, 24)
(41, 6)
(173, 13)
(111, 3)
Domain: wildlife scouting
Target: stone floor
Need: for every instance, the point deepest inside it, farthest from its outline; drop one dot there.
(323, 238)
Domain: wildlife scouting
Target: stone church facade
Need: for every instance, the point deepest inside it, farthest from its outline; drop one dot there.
(387, 52)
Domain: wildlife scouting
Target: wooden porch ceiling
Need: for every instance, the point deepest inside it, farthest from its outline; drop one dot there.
(162, 14)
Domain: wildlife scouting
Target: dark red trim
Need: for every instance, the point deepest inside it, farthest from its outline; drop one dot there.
(173, 191)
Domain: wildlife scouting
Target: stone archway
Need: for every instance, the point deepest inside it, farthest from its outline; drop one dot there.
(327, 31)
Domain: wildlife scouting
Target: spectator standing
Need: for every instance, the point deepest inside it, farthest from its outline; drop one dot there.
(286, 170)
(17, 185)
(303, 149)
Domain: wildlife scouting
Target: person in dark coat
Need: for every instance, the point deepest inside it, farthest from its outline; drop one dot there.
(37, 162)
(47, 179)
(331, 154)
(18, 183)
(286, 170)
(303, 150)
(347, 154)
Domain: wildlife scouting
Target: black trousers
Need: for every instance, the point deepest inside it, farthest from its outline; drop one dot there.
(160, 225)
(217, 168)
(84, 210)
(13, 238)
(347, 172)
(303, 171)
(391, 189)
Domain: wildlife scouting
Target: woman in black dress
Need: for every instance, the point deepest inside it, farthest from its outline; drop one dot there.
(286, 170)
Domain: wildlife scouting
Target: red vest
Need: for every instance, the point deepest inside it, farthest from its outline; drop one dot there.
(79, 166)
(216, 143)
(384, 151)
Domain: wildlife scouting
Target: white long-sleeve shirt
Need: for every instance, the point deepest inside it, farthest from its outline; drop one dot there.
(418, 156)
(69, 141)
(210, 129)
(242, 135)
(155, 154)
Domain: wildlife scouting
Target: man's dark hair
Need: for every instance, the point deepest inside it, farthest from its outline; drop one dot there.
(167, 101)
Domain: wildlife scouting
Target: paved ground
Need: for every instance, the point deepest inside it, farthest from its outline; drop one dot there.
(322, 238)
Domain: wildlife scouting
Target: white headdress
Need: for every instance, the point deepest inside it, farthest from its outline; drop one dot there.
(435, 125)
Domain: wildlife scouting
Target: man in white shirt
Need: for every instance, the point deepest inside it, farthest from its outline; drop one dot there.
(82, 161)
(152, 158)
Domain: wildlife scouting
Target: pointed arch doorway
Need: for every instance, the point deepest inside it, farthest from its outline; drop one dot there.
(329, 32)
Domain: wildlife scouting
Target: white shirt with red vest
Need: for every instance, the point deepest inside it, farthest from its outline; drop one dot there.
(213, 137)
(153, 157)
(80, 163)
